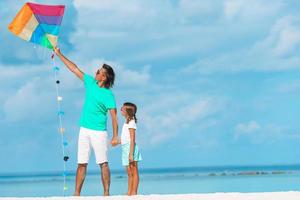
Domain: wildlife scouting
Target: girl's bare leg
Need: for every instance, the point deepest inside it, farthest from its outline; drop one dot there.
(135, 177)
(130, 180)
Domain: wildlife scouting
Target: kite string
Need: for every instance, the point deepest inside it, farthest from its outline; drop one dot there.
(61, 129)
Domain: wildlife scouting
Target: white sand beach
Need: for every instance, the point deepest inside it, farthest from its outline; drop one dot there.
(213, 196)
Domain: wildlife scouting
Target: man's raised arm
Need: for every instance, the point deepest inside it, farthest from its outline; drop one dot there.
(71, 66)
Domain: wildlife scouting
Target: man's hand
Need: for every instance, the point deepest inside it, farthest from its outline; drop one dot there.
(57, 51)
(114, 141)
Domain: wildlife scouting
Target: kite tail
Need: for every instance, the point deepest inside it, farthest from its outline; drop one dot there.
(61, 129)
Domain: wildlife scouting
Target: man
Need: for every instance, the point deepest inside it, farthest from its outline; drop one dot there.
(99, 99)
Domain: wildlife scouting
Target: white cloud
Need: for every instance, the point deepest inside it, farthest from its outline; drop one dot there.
(288, 40)
(30, 102)
(285, 35)
(276, 52)
(124, 75)
(131, 5)
(204, 144)
(30, 92)
(149, 30)
(232, 8)
(247, 128)
(20, 73)
(243, 10)
(292, 86)
(33, 86)
(114, 14)
(258, 133)
(195, 10)
(255, 132)
(174, 115)
(15, 77)
(161, 30)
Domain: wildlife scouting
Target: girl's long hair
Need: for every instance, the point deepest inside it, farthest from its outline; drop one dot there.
(130, 109)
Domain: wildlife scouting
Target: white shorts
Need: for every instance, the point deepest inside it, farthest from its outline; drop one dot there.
(97, 140)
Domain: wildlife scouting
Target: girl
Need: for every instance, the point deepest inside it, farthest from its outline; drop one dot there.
(130, 151)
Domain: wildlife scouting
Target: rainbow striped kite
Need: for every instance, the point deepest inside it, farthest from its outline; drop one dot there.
(38, 23)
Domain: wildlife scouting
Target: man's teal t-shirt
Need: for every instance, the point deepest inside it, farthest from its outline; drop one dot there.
(97, 102)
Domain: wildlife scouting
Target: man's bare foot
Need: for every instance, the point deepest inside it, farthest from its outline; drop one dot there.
(76, 194)
(106, 194)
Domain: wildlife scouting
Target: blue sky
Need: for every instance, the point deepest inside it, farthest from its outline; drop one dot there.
(216, 82)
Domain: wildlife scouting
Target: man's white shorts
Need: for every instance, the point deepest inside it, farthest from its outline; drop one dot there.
(92, 139)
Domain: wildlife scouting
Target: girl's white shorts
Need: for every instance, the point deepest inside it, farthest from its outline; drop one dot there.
(92, 139)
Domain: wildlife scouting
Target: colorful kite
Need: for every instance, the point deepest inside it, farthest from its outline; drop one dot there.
(38, 23)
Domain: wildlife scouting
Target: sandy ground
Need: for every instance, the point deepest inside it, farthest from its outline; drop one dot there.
(214, 196)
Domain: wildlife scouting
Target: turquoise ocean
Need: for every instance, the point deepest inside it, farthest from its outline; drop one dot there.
(160, 181)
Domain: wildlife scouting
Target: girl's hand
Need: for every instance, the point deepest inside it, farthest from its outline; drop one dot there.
(130, 158)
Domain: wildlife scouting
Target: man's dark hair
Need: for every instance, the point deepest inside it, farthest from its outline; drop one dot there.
(110, 76)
